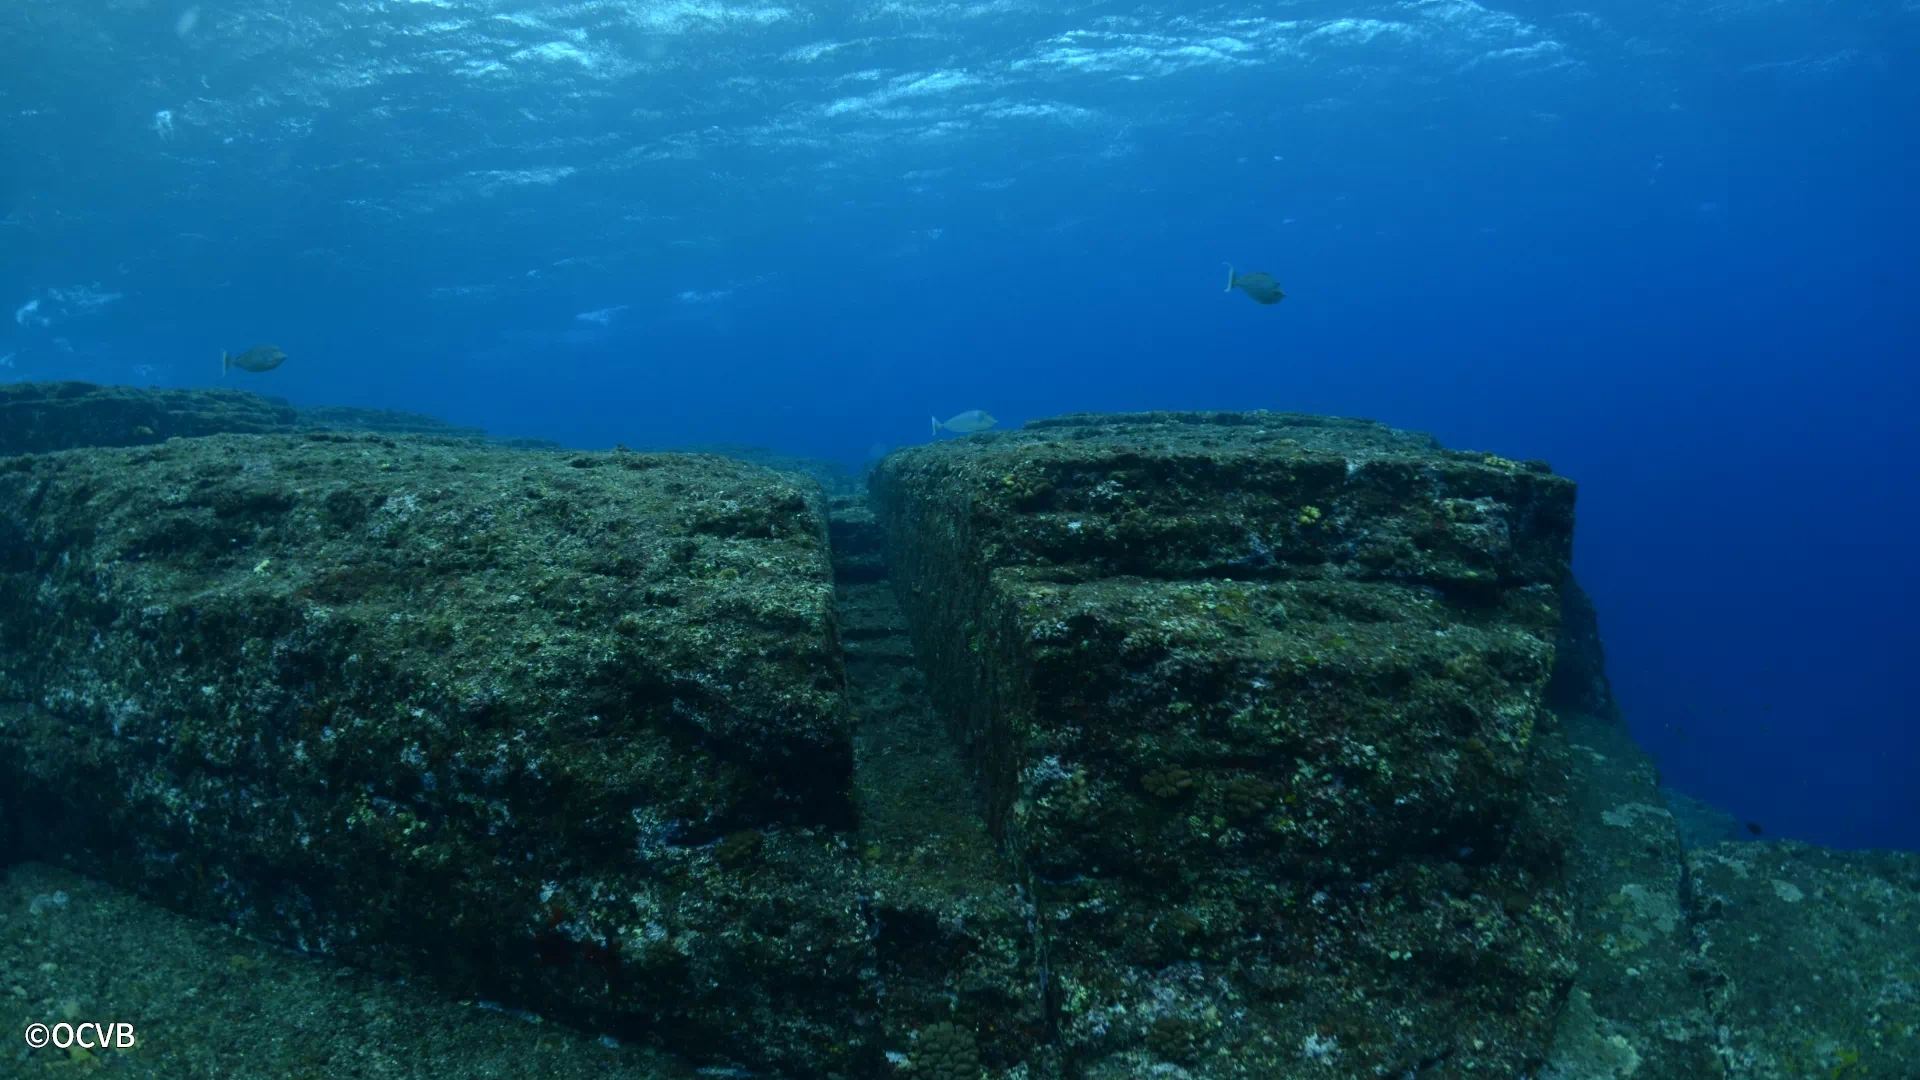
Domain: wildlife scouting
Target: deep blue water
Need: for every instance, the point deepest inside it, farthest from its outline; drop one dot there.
(1668, 247)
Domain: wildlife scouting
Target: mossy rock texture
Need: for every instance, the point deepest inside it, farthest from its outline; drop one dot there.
(1256, 702)
(1199, 745)
(1810, 958)
(566, 731)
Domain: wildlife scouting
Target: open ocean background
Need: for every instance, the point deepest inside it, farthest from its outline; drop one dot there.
(1669, 247)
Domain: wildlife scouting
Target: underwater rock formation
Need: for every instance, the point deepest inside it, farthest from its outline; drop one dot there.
(220, 1005)
(1635, 1008)
(564, 731)
(1810, 958)
(40, 418)
(1174, 744)
(388, 422)
(1580, 682)
(1257, 704)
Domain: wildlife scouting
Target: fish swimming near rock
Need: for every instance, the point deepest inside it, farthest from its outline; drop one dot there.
(258, 358)
(1259, 285)
(966, 423)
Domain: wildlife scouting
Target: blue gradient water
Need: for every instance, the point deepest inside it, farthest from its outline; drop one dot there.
(1668, 247)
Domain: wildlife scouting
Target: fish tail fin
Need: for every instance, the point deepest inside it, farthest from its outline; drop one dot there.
(1229, 287)
(936, 426)
(225, 362)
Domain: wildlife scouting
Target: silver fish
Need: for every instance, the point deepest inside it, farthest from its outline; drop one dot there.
(966, 423)
(258, 358)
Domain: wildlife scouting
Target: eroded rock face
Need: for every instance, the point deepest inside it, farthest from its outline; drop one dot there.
(1256, 700)
(565, 731)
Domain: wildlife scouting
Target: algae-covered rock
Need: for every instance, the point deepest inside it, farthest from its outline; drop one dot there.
(564, 731)
(384, 421)
(38, 418)
(1636, 1009)
(946, 1052)
(213, 1004)
(831, 475)
(952, 929)
(859, 544)
(1256, 700)
(1218, 749)
(1701, 823)
(1810, 958)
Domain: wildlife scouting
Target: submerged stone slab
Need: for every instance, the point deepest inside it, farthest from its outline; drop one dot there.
(562, 731)
(1255, 701)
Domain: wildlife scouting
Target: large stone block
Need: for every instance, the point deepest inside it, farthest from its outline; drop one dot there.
(1256, 704)
(567, 732)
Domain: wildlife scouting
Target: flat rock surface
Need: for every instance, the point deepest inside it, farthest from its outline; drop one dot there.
(1811, 958)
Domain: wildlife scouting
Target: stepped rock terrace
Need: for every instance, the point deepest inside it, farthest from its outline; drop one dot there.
(1250, 745)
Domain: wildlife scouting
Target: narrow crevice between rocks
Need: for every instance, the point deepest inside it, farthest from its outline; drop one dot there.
(950, 924)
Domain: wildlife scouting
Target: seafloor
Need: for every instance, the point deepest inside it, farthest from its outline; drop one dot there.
(349, 743)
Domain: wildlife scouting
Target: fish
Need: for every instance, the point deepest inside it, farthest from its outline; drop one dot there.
(1259, 285)
(966, 423)
(258, 358)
